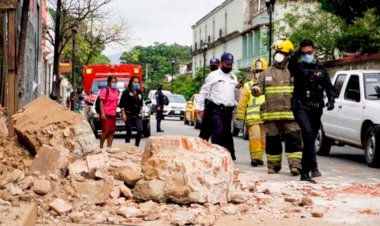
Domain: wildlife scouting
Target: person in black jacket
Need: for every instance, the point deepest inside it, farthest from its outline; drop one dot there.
(159, 107)
(131, 104)
(311, 80)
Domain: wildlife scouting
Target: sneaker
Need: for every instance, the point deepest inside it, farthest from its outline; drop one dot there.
(294, 171)
(316, 173)
(255, 162)
(160, 131)
(272, 171)
(306, 177)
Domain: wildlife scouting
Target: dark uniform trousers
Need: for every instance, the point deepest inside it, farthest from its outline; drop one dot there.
(133, 120)
(309, 119)
(221, 127)
(159, 116)
(206, 129)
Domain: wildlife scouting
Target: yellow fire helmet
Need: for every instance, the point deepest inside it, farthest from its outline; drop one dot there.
(284, 45)
(259, 64)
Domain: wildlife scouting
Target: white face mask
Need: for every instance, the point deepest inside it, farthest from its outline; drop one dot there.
(279, 58)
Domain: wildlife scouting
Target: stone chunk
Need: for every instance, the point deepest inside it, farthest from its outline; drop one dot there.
(23, 215)
(41, 186)
(126, 192)
(317, 213)
(306, 201)
(50, 160)
(96, 192)
(150, 190)
(60, 206)
(128, 175)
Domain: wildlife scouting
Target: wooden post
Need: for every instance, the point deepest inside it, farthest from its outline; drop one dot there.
(11, 94)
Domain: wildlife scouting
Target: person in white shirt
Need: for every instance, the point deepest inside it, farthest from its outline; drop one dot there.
(219, 88)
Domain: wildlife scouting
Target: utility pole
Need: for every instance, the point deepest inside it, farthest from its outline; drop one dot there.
(56, 78)
(270, 6)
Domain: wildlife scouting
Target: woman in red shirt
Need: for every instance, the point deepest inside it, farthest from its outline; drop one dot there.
(109, 98)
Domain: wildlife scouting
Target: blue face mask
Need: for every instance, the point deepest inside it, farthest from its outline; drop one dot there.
(113, 85)
(136, 86)
(307, 58)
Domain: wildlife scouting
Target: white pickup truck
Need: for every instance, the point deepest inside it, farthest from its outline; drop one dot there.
(356, 116)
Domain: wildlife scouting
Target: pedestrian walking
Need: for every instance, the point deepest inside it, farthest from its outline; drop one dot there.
(276, 84)
(205, 130)
(160, 102)
(109, 98)
(131, 104)
(220, 87)
(311, 80)
(248, 110)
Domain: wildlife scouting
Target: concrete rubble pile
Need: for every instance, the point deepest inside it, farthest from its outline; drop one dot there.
(174, 181)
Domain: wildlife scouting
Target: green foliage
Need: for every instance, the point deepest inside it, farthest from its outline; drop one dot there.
(157, 59)
(349, 10)
(322, 27)
(363, 35)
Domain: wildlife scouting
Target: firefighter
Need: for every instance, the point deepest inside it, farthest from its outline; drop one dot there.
(276, 84)
(310, 82)
(205, 131)
(249, 111)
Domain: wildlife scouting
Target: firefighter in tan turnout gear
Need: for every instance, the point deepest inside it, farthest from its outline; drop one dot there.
(249, 111)
(276, 84)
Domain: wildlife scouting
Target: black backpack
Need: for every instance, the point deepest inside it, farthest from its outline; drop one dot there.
(165, 100)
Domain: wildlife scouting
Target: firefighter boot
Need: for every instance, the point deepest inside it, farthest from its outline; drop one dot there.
(256, 162)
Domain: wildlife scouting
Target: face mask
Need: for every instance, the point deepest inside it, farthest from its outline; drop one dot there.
(279, 58)
(214, 68)
(226, 70)
(136, 86)
(113, 85)
(307, 58)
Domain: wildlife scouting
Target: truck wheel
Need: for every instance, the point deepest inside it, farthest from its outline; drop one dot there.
(372, 147)
(181, 118)
(322, 143)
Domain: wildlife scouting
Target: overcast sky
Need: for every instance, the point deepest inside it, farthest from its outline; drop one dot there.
(160, 20)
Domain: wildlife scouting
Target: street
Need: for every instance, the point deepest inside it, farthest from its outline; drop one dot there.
(344, 164)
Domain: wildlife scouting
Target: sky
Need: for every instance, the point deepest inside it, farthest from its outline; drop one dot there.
(152, 21)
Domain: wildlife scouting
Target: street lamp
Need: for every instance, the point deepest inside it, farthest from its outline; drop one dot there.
(270, 6)
(56, 78)
(173, 63)
(204, 49)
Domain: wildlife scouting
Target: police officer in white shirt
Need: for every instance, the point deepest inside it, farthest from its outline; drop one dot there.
(219, 88)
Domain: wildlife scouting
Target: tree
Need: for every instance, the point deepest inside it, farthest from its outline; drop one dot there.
(322, 27)
(157, 58)
(363, 35)
(349, 10)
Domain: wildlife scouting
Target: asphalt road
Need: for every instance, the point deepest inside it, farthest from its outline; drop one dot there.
(345, 164)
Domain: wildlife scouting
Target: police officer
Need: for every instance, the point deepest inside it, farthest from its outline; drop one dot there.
(220, 87)
(248, 111)
(205, 132)
(276, 84)
(310, 82)
(159, 107)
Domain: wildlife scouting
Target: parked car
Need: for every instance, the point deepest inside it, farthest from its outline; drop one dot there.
(176, 107)
(355, 119)
(152, 98)
(190, 111)
(94, 119)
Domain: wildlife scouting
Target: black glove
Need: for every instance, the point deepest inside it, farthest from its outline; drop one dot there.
(330, 105)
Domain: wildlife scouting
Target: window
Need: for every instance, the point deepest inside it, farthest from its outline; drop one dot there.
(339, 84)
(209, 39)
(220, 33)
(353, 89)
(372, 86)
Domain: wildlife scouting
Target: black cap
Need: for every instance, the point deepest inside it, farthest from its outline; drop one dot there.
(227, 58)
(215, 61)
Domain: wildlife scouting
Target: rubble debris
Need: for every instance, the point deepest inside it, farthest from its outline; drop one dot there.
(50, 160)
(150, 190)
(41, 186)
(128, 175)
(306, 201)
(96, 192)
(60, 206)
(188, 166)
(44, 121)
(23, 215)
(317, 213)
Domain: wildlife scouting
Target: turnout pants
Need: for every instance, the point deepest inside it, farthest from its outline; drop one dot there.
(133, 120)
(310, 121)
(221, 127)
(293, 143)
(256, 141)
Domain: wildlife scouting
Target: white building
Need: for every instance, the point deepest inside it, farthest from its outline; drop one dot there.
(221, 29)
(239, 27)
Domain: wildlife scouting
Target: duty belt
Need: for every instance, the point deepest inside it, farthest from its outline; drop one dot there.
(222, 107)
(313, 104)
